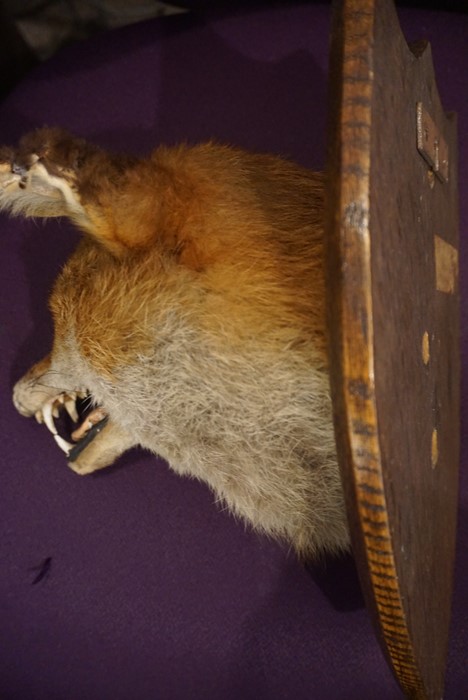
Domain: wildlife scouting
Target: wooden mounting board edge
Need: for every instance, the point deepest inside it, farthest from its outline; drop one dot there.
(351, 323)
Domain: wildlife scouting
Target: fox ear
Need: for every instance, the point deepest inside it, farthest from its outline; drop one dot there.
(31, 186)
(52, 173)
(35, 192)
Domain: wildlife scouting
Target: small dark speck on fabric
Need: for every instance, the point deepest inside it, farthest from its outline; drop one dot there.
(43, 570)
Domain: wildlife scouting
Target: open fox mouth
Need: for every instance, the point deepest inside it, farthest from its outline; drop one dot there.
(73, 420)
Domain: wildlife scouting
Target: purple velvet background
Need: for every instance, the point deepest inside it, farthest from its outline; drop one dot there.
(154, 593)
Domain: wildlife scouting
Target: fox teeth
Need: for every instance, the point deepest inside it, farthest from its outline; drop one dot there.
(48, 418)
(70, 407)
(63, 444)
(38, 416)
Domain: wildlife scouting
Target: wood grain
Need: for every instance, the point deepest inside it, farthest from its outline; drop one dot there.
(394, 336)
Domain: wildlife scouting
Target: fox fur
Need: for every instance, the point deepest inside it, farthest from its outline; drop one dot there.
(193, 310)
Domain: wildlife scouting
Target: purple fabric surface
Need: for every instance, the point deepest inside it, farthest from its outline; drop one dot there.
(153, 593)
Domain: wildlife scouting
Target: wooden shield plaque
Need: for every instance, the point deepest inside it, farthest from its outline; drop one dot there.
(393, 318)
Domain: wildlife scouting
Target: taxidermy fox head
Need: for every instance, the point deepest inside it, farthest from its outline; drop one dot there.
(190, 321)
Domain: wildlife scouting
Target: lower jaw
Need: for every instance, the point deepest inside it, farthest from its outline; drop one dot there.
(89, 436)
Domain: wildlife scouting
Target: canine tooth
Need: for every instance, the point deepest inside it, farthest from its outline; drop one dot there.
(70, 407)
(63, 444)
(48, 419)
(38, 416)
